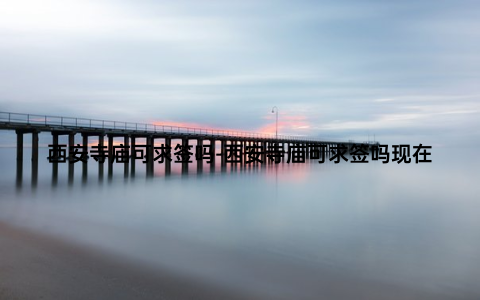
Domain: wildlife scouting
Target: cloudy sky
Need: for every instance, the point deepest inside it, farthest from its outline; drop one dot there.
(406, 71)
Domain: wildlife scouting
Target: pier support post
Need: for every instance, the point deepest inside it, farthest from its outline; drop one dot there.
(71, 144)
(266, 147)
(35, 147)
(281, 146)
(85, 163)
(34, 159)
(248, 146)
(55, 164)
(111, 155)
(242, 151)
(19, 178)
(127, 149)
(54, 139)
(234, 144)
(199, 156)
(212, 153)
(19, 146)
(264, 152)
(150, 145)
(168, 163)
(101, 143)
(185, 160)
(132, 156)
(223, 152)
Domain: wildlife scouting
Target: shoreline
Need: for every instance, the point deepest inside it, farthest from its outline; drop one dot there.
(35, 266)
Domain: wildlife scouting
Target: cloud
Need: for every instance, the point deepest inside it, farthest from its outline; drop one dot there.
(112, 20)
(383, 100)
(233, 79)
(335, 68)
(430, 114)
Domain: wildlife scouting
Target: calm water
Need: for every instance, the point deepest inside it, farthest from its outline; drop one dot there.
(275, 229)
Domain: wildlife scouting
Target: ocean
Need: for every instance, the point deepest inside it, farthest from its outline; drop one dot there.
(284, 231)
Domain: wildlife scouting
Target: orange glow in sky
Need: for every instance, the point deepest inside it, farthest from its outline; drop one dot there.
(286, 125)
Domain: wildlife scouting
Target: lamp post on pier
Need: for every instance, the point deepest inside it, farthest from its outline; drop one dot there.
(276, 123)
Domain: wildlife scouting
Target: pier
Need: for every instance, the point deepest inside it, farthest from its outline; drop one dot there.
(129, 132)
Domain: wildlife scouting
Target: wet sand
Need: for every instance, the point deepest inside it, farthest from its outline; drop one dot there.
(35, 266)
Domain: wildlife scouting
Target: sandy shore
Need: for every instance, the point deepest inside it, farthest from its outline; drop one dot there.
(38, 267)
(34, 266)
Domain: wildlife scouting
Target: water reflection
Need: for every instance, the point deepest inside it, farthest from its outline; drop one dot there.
(19, 172)
(34, 175)
(294, 230)
(165, 169)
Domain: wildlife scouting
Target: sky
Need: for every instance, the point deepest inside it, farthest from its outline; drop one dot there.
(404, 71)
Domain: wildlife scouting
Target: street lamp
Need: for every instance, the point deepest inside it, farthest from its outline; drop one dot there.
(276, 124)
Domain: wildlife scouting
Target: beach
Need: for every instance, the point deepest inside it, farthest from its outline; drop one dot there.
(35, 266)
(256, 233)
